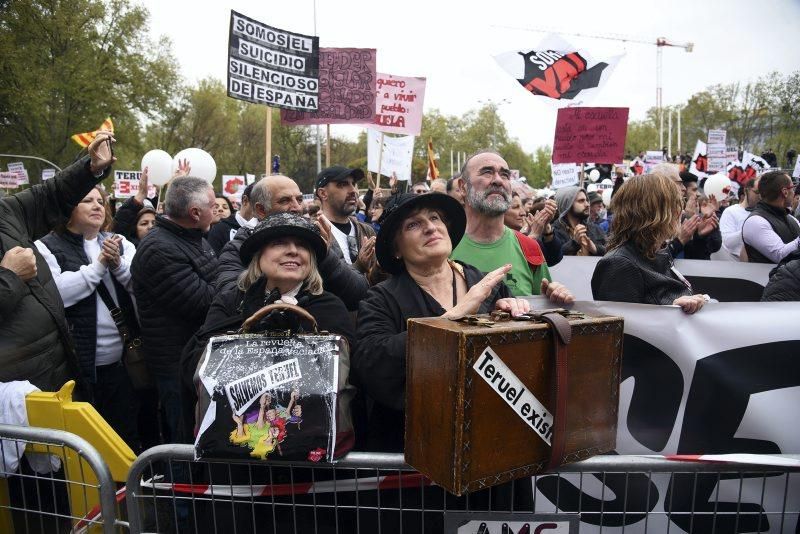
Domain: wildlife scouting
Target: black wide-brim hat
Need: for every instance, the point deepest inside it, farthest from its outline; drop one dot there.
(398, 207)
(282, 225)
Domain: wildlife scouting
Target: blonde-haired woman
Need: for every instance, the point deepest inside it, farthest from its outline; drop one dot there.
(281, 266)
(638, 268)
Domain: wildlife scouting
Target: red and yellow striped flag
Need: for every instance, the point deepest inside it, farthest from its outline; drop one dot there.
(433, 170)
(85, 139)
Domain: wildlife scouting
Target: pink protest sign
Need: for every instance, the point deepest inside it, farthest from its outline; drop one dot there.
(398, 104)
(346, 89)
(590, 135)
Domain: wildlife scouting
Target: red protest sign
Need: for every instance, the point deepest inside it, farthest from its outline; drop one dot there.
(590, 135)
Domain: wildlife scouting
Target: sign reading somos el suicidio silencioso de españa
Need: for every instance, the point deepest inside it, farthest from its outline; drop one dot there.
(271, 66)
(585, 135)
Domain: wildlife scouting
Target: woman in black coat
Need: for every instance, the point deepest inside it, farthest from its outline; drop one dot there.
(416, 238)
(638, 268)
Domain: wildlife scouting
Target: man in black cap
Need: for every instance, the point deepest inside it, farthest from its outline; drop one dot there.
(351, 240)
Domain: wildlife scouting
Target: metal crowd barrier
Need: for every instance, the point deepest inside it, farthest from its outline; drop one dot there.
(367, 492)
(77, 496)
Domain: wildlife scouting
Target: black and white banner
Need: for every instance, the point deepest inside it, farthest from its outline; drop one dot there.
(271, 66)
(725, 281)
(725, 380)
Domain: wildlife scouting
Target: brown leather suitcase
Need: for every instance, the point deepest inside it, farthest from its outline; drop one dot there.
(470, 425)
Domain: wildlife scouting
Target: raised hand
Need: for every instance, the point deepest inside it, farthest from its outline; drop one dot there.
(100, 153)
(144, 181)
(324, 226)
(183, 168)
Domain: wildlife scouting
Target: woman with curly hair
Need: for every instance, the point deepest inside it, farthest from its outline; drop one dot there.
(638, 267)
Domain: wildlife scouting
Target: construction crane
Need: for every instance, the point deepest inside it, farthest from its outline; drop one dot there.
(659, 43)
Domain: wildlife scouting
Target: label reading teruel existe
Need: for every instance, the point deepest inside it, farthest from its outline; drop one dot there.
(505, 383)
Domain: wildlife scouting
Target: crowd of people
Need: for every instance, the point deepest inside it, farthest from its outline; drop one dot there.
(84, 287)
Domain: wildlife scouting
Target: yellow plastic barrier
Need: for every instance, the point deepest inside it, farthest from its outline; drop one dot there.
(57, 410)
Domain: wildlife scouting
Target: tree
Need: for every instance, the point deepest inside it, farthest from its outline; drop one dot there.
(65, 66)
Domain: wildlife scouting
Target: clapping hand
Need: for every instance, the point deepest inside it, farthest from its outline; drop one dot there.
(366, 256)
(110, 252)
(472, 301)
(324, 226)
(556, 292)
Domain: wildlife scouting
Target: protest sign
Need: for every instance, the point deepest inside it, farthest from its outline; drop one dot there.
(232, 186)
(715, 383)
(126, 184)
(8, 180)
(18, 168)
(397, 154)
(558, 71)
(47, 174)
(346, 89)
(651, 159)
(398, 104)
(564, 175)
(270, 66)
(261, 389)
(717, 150)
(796, 171)
(590, 135)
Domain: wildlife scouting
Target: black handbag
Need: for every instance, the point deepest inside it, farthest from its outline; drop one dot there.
(132, 354)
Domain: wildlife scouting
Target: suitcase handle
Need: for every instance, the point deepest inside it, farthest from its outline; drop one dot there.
(562, 335)
(297, 310)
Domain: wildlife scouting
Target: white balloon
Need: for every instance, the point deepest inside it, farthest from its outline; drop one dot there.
(201, 163)
(607, 181)
(718, 185)
(591, 188)
(159, 167)
(594, 174)
(607, 197)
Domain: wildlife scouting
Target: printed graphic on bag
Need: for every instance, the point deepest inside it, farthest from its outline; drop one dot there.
(271, 397)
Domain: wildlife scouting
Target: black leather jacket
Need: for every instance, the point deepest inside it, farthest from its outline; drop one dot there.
(625, 275)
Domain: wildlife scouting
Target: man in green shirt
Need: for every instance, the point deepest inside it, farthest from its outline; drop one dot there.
(489, 244)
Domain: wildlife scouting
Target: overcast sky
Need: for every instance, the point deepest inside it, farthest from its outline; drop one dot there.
(452, 44)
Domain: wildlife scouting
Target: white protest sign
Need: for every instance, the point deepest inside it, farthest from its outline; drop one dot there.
(397, 154)
(18, 168)
(564, 175)
(796, 171)
(126, 184)
(651, 159)
(47, 174)
(496, 373)
(270, 66)
(717, 151)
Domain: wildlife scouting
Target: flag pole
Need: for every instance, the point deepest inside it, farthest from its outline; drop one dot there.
(380, 162)
(269, 141)
(327, 145)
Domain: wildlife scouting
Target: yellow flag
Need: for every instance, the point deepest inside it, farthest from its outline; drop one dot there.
(85, 139)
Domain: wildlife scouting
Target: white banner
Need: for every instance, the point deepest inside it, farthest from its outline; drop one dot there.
(716, 382)
(564, 175)
(397, 154)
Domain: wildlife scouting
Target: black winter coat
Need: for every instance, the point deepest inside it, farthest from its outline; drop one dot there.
(625, 275)
(784, 282)
(35, 343)
(220, 233)
(173, 274)
(379, 361)
(125, 220)
(337, 276)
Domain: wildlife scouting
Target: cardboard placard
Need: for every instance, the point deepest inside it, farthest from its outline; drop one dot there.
(346, 89)
(586, 135)
(270, 66)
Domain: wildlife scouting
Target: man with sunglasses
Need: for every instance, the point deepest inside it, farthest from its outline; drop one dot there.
(770, 233)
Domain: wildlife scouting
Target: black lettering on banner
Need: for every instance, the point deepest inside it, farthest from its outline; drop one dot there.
(721, 389)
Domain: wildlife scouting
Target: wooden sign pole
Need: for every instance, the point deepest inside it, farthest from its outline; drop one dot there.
(269, 141)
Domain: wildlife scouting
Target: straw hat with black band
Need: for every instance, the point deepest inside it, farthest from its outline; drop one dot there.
(398, 207)
(282, 225)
